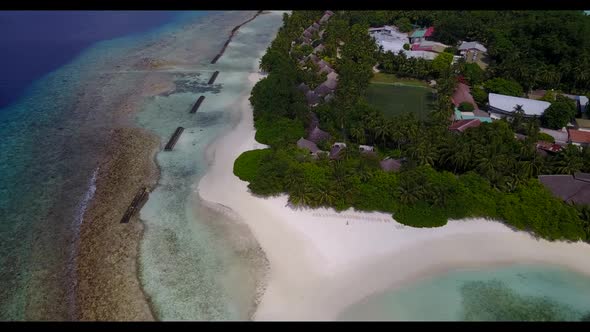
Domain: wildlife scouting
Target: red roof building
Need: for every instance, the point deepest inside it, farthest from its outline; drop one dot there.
(549, 147)
(462, 125)
(429, 32)
(579, 137)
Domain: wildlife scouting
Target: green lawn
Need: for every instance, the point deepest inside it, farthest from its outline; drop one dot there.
(392, 79)
(393, 99)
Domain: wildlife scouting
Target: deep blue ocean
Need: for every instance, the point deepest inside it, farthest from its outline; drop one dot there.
(35, 43)
(50, 141)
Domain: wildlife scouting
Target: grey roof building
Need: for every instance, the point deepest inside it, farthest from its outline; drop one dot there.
(317, 135)
(322, 90)
(332, 80)
(570, 188)
(302, 143)
(320, 48)
(466, 46)
(312, 98)
(303, 88)
(327, 70)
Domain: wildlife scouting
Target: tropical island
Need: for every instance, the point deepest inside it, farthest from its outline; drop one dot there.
(495, 122)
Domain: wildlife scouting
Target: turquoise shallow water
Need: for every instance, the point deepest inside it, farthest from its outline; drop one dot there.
(190, 270)
(514, 293)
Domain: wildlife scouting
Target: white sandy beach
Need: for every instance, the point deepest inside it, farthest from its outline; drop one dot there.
(319, 265)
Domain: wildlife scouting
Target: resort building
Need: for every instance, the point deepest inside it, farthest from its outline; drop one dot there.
(462, 125)
(336, 149)
(391, 165)
(326, 16)
(313, 149)
(570, 188)
(579, 137)
(319, 49)
(501, 106)
(429, 46)
(549, 147)
(420, 35)
(473, 52)
(389, 38)
(581, 102)
(583, 124)
(367, 150)
(312, 99)
(560, 137)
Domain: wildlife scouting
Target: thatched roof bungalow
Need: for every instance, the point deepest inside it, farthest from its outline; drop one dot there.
(322, 90)
(389, 164)
(327, 70)
(312, 98)
(332, 80)
(303, 88)
(302, 143)
(317, 135)
(320, 48)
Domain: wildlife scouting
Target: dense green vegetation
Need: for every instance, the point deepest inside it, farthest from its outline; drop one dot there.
(560, 113)
(483, 172)
(503, 87)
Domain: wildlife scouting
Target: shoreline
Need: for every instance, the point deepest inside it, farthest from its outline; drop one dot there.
(232, 34)
(109, 285)
(319, 266)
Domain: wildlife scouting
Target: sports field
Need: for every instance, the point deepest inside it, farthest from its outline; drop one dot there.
(394, 99)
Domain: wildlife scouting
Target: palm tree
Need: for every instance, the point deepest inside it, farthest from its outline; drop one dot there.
(459, 157)
(408, 192)
(570, 160)
(338, 171)
(424, 153)
(517, 117)
(381, 132)
(293, 178)
(301, 195)
(532, 168)
(358, 134)
(396, 133)
(326, 196)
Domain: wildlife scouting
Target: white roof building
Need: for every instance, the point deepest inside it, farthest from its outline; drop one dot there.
(466, 46)
(366, 148)
(505, 105)
(560, 136)
(583, 101)
(421, 54)
(389, 38)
